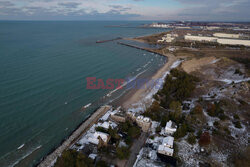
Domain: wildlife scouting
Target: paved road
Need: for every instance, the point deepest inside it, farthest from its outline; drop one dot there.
(135, 149)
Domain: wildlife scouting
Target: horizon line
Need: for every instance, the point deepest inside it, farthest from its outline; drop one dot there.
(131, 20)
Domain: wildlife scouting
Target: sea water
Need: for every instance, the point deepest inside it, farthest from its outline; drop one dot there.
(44, 66)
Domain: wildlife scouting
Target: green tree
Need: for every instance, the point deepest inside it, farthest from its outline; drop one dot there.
(113, 133)
(125, 126)
(217, 124)
(175, 106)
(72, 158)
(82, 161)
(101, 164)
(191, 139)
(199, 133)
(134, 132)
(181, 131)
(101, 129)
(164, 120)
(236, 116)
(122, 152)
(158, 129)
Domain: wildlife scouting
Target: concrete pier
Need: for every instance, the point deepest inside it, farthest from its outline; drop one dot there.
(141, 48)
(109, 40)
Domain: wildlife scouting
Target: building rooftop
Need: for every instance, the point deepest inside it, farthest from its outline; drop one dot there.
(168, 141)
(170, 124)
(92, 156)
(140, 117)
(165, 149)
(144, 119)
(105, 125)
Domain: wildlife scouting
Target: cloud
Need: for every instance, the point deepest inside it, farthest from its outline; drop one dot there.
(69, 4)
(228, 10)
(119, 8)
(6, 4)
(222, 10)
(64, 10)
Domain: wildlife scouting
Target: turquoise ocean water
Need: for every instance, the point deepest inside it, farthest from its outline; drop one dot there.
(43, 73)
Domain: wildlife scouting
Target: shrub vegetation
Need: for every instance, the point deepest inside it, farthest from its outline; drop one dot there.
(122, 152)
(72, 158)
(177, 87)
(191, 139)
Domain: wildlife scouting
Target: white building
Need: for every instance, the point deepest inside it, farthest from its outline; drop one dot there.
(170, 128)
(157, 25)
(200, 38)
(234, 42)
(118, 117)
(165, 150)
(144, 123)
(168, 38)
(224, 35)
(212, 28)
(241, 29)
(168, 141)
(180, 27)
(105, 125)
(223, 41)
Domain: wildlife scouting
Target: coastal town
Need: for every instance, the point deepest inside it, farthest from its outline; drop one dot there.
(110, 139)
(199, 117)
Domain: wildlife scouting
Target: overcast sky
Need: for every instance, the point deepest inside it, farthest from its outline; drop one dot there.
(206, 10)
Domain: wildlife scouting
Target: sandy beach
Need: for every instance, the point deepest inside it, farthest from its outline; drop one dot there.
(140, 93)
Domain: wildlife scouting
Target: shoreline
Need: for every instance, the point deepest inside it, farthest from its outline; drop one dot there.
(139, 94)
(126, 102)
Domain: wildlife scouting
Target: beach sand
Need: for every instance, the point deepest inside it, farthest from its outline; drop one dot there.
(137, 95)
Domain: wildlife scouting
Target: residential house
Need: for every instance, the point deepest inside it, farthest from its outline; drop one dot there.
(144, 122)
(166, 148)
(118, 117)
(168, 141)
(170, 128)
